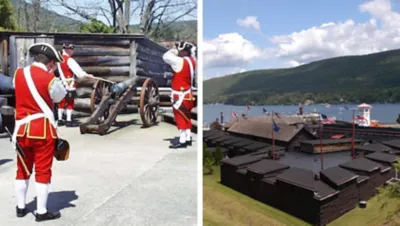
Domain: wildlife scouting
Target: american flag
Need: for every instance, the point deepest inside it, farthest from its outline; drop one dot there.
(326, 120)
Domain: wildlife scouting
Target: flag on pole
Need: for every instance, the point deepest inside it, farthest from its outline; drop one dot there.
(326, 120)
(275, 127)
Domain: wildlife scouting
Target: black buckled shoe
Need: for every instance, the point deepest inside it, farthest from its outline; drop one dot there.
(47, 216)
(60, 123)
(21, 212)
(189, 142)
(178, 145)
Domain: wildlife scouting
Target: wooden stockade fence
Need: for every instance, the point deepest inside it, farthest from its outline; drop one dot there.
(109, 56)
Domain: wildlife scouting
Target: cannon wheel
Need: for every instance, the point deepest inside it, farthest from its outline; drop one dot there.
(149, 102)
(100, 89)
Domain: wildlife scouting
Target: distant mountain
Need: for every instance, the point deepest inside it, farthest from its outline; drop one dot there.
(368, 78)
(50, 20)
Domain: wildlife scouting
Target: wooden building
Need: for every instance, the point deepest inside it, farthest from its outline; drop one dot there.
(328, 145)
(116, 57)
(318, 198)
(260, 130)
(372, 148)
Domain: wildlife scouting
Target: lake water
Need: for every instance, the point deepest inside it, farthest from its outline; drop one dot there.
(384, 113)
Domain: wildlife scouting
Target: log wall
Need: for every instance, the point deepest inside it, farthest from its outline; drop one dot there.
(110, 56)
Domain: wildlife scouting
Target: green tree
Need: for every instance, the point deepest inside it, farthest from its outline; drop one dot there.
(6, 20)
(218, 155)
(96, 26)
(391, 192)
(208, 160)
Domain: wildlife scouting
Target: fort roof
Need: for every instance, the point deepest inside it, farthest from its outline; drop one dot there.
(338, 176)
(382, 157)
(361, 164)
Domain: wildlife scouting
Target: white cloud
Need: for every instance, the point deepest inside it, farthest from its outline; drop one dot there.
(331, 39)
(344, 38)
(230, 50)
(249, 22)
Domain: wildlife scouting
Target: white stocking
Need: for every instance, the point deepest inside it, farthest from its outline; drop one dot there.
(42, 191)
(21, 187)
(182, 138)
(69, 115)
(60, 113)
(188, 135)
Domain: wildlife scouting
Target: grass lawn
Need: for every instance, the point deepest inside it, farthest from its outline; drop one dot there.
(224, 206)
(373, 215)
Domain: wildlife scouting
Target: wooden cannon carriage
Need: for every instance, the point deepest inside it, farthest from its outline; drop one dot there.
(113, 57)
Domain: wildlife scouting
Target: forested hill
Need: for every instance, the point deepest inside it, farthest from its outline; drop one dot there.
(373, 78)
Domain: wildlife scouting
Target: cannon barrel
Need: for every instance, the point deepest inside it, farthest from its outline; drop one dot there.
(119, 88)
(6, 84)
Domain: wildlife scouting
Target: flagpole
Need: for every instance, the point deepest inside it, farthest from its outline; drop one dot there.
(320, 143)
(273, 137)
(352, 137)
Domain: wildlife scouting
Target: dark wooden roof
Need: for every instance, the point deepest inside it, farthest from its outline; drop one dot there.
(299, 177)
(242, 143)
(242, 160)
(266, 166)
(374, 147)
(208, 133)
(263, 129)
(338, 176)
(223, 150)
(362, 178)
(220, 139)
(361, 164)
(329, 141)
(305, 179)
(393, 143)
(323, 191)
(214, 136)
(382, 157)
(256, 146)
(231, 141)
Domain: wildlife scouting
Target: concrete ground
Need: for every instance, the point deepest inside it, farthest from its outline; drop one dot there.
(128, 177)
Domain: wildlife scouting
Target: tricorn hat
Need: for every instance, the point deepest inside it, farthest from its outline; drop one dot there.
(184, 46)
(47, 50)
(68, 45)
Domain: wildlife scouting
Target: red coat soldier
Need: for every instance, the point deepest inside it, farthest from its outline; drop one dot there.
(68, 70)
(36, 91)
(183, 63)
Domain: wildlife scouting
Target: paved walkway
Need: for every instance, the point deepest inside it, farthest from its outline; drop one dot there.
(128, 177)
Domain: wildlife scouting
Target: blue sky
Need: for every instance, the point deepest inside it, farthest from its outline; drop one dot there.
(356, 22)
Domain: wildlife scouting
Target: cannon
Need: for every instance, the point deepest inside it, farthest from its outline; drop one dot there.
(6, 84)
(107, 100)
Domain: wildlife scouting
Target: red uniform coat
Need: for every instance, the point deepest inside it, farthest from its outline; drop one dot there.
(68, 104)
(182, 81)
(25, 104)
(38, 137)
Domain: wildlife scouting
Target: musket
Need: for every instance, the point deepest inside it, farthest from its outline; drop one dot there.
(19, 151)
(104, 80)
